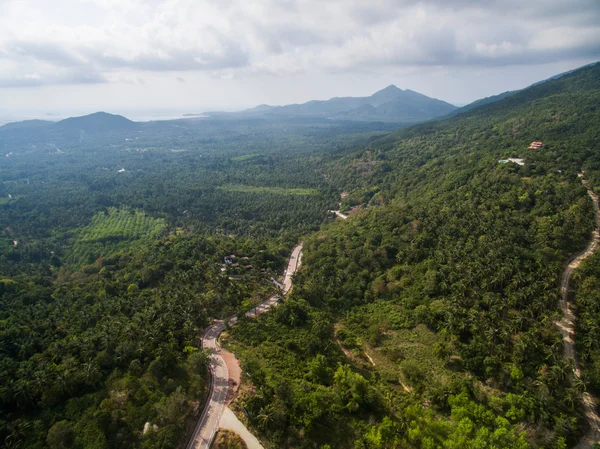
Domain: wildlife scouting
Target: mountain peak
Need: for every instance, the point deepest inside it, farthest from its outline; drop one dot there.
(390, 88)
(384, 95)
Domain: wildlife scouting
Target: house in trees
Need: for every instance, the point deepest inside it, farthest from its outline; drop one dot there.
(536, 145)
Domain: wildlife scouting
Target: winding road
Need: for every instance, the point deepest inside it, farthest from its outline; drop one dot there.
(208, 424)
(567, 327)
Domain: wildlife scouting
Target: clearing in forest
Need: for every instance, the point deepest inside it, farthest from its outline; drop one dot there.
(112, 231)
(273, 190)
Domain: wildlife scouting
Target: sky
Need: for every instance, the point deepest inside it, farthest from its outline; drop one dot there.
(196, 55)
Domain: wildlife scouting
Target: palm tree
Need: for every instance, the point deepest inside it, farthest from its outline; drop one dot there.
(265, 417)
(91, 374)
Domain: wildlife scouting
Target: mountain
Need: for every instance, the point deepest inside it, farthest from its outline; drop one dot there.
(384, 95)
(390, 104)
(405, 106)
(97, 122)
(26, 124)
(100, 126)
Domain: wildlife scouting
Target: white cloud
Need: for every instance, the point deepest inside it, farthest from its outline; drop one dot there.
(86, 41)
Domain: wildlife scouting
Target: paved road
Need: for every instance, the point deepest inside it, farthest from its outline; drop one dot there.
(293, 264)
(567, 328)
(208, 424)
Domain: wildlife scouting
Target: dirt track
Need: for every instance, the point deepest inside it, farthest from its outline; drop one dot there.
(567, 328)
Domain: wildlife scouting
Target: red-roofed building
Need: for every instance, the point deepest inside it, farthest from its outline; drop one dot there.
(536, 145)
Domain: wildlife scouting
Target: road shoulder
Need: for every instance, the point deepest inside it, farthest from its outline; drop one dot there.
(230, 422)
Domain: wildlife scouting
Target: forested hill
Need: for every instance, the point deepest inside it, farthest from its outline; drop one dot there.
(98, 122)
(427, 319)
(501, 96)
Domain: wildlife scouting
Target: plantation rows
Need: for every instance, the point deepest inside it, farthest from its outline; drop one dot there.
(113, 231)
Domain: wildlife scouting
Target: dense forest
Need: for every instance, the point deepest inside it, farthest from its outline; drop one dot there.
(424, 320)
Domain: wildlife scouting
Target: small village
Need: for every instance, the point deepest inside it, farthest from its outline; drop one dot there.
(236, 266)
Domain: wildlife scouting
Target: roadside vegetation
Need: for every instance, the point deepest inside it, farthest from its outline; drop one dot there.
(87, 360)
(587, 308)
(226, 439)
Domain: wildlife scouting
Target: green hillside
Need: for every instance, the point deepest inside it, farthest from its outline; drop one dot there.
(435, 305)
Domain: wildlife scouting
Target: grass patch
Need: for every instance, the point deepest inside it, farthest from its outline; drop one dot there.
(271, 190)
(403, 353)
(5, 200)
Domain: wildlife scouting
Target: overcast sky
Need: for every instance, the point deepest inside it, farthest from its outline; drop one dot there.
(194, 55)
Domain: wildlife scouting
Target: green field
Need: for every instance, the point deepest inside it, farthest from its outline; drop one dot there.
(115, 230)
(246, 157)
(5, 200)
(271, 190)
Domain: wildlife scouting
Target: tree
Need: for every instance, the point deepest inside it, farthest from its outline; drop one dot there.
(60, 435)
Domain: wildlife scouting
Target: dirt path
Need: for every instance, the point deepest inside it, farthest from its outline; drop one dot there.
(339, 214)
(235, 373)
(567, 327)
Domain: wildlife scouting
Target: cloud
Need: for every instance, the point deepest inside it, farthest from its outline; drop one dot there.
(43, 74)
(92, 41)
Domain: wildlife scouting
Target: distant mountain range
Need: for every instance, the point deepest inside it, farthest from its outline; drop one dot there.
(390, 104)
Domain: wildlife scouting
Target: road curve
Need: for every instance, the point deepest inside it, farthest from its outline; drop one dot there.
(567, 327)
(208, 424)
